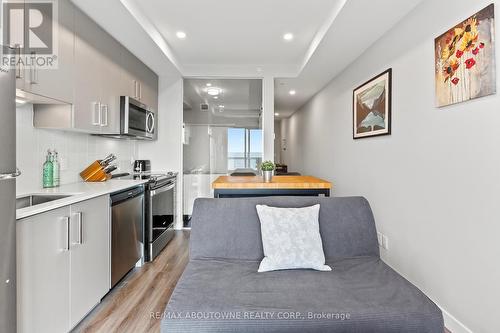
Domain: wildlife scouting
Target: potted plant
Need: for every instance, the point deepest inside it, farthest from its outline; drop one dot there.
(267, 168)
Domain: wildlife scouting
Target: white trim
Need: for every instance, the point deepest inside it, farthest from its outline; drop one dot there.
(152, 32)
(452, 323)
(321, 34)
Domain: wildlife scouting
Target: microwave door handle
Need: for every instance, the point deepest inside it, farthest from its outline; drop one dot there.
(150, 129)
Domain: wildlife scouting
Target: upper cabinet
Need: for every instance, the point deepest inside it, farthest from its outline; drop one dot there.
(56, 82)
(94, 71)
(97, 77)
(141, 81)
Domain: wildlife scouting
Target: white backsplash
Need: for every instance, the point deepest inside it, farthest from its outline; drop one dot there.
(75, 150)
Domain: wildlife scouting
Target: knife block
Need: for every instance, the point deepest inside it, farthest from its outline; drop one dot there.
(94, 173)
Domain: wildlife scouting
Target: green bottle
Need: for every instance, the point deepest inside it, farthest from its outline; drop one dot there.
(48, 171)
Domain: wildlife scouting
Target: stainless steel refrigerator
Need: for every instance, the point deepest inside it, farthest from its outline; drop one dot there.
(8, 174)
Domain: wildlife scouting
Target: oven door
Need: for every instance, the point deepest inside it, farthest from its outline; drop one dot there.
(137, 119)
(162, 217)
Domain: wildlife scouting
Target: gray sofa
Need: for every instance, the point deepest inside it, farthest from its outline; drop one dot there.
(221, 291)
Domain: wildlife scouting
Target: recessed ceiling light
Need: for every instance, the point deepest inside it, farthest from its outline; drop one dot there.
(209, 84)
(276, 114)
(213, 91)
(221, 106)
(216, 97)
(288, 36)
(292, 92)
(180, 34)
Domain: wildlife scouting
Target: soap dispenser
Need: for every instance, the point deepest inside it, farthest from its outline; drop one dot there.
(48, 171)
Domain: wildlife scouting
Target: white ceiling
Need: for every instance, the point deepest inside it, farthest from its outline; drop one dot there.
(359, 24)
(230, 38)
(229, 32)
(238, 97)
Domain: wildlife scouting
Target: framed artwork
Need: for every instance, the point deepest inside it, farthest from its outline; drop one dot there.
(372, 107)
(465, 59)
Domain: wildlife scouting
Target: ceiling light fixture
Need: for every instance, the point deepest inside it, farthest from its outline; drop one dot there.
(292, 92)
(221, 106)
(288, 36)
(209, 84)
(216, 97)
(276, 114)
(180, 34)
(213, 91)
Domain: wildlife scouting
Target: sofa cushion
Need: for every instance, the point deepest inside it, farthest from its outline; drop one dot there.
(230, 228)
(360, 295)
(290, 238)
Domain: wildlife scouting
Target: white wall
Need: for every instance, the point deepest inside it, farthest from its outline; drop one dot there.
(434, 183)
(268, 118)
(76, 151)
(277, 141)
(166, 153)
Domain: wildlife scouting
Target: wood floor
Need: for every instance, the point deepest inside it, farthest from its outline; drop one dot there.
(128, 307)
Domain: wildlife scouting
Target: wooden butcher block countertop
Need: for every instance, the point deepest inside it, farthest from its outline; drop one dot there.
(278, 182)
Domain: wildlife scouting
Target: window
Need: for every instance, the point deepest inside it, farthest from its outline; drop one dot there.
(244, 148)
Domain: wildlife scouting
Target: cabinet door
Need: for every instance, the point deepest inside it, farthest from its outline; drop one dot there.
(148, 88)
(43, 272)
(112, 86)
(141, 82)
(130, 74)
(57, 83)
(87, 109)
(90, 255)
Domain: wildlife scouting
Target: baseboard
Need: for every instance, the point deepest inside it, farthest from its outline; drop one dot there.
(453, 324)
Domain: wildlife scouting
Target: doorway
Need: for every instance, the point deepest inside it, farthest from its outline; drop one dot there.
(222, 133)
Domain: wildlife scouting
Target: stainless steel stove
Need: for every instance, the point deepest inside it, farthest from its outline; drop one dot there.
(160, 210)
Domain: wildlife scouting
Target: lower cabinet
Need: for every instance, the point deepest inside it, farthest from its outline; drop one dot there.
(90, 268)
(63, 265)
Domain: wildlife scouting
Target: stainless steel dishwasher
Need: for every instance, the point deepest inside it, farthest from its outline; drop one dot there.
(127, 231)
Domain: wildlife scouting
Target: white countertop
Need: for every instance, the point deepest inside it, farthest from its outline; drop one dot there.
(77, 192)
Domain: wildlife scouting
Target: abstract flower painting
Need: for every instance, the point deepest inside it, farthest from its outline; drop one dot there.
(372, 107)
(465, 59)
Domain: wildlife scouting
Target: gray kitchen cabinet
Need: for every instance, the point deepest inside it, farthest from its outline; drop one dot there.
(52, 82)
(90, 256)
(98, 55)
(142, 81)
(88, 73)
(63, 265)
(111, 85)
(43, 284)
(56, 83)
(94, 71)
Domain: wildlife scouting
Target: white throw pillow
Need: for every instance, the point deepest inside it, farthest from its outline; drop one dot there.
(291, 239)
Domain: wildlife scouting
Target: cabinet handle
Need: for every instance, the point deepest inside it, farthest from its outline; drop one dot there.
(66, 243)
(96, 114)
(135, 89)
(79, 216)
(140, 90)
(33, 69)
(104, 115)
(19, 71)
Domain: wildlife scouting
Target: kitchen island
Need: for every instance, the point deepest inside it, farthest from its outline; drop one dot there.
(254, 186)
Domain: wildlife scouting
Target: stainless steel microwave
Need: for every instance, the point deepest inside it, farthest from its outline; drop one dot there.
(137, 119)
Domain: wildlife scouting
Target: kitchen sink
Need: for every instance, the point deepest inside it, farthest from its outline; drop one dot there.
(37, 199)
